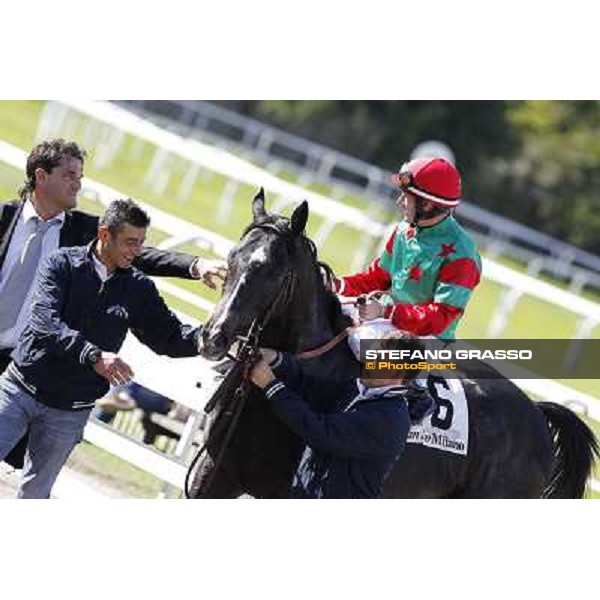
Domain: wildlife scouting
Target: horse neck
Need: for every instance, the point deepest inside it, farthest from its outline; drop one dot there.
(305, 323)
(316, 328)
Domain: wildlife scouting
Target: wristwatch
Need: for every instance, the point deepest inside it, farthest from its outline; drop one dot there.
(94, 356)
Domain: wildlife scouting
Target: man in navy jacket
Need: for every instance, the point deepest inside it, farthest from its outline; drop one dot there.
(52, 181)
(354, 431)
(85, 300)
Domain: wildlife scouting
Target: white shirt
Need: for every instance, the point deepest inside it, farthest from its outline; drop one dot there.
(372, 392)
(24, 229)
(364, 392)
(101, 269)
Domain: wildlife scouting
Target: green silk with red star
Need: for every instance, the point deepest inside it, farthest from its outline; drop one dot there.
(438, 264)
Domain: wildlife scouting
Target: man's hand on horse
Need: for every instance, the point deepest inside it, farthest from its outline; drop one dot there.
(371, 310)
(113, 369)
(269, 355)
(260, 373)
(208, 270)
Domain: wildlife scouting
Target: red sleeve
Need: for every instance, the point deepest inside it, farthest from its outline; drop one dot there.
(374, 278)
(462, 271)
(429, 318)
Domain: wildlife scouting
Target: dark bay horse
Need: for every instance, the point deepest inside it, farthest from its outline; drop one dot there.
(517, 448)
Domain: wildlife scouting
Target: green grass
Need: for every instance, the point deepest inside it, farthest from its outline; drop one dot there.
(18, 121)
(10, 180)
(114, 472)
(521, 267)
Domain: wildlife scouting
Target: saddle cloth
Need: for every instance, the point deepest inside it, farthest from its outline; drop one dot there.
(447, 428)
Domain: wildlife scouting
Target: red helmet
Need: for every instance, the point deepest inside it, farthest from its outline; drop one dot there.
(433, 179)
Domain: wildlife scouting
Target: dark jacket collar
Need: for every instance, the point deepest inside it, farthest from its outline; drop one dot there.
(91, 247)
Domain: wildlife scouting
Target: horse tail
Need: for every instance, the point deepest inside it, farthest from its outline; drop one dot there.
(575, 449)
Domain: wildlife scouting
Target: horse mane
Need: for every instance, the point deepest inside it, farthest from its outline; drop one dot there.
(337, 318)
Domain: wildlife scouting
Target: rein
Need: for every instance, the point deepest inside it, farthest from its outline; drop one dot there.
(234, 386)
(332, 343)
(234, 389)
(326, 347)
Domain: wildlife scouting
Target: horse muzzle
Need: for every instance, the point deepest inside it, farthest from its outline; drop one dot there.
(213, 345)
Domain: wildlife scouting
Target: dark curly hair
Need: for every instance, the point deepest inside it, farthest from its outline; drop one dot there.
(47, 155)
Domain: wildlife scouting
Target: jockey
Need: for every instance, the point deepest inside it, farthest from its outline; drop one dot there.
(430, 264)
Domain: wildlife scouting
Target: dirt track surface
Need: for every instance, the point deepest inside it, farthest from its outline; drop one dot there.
(71, 485)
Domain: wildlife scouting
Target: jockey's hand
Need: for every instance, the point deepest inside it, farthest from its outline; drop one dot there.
(208, 269)
(371, 310)
(260, 373)
(113, 369)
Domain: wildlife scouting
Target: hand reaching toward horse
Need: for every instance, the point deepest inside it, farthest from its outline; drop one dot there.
(207, 270)
(113, 369)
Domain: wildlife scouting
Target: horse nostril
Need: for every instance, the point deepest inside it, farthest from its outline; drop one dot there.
(219, 341)
(214, 344)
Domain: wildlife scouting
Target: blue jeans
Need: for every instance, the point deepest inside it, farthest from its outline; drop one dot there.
(147, 400)
(53, 435)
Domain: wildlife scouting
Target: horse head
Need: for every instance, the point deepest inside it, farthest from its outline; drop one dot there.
(268, 269)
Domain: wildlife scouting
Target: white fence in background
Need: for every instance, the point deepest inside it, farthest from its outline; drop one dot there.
(59, 117)
(177, 378)
(191, 157)
(313, 162)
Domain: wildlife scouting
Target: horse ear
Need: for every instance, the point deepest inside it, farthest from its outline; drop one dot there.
(299, 218)
(258, 205)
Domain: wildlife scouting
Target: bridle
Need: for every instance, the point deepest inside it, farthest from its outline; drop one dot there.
(233, 391)
(234, 386)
